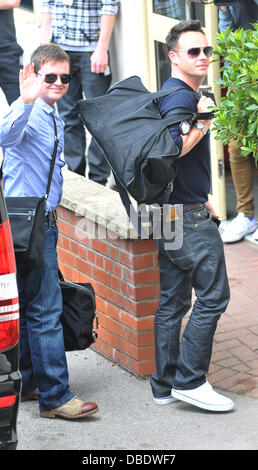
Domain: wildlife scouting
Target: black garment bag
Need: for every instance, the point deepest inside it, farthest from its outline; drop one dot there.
(126, 124)
(135, 140)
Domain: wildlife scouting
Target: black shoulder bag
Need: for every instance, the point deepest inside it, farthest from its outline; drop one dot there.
(27, 218)
(79, 312)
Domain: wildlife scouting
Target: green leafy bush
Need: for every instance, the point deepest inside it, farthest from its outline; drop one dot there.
(236, 117)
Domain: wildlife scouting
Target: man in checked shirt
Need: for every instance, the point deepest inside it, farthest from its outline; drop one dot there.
(83, 29)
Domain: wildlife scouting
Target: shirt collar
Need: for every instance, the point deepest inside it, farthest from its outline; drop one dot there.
(45, 106)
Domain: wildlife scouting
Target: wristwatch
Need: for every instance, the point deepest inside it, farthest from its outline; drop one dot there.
(184, 127)
(199, 125)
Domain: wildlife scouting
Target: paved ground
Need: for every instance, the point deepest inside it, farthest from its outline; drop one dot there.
(235, 353)
(128, 419)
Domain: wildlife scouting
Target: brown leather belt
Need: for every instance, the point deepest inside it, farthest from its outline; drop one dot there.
(189, 207)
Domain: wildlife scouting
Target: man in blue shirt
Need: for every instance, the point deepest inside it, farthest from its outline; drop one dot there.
(199, 264)
(27, 137)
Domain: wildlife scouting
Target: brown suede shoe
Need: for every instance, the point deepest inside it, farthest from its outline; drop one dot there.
(73, 409)
(30, 396)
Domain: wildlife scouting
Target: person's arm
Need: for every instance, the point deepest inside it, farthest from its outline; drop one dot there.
(6, 4)
(13, 125)
(191, 139)
(225, 19)
(46, 21)
(99, 58)
(45, 27)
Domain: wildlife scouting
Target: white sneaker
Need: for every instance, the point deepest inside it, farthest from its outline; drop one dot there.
(255, 235)
(238, 228)
(164, 400)
(204, 397)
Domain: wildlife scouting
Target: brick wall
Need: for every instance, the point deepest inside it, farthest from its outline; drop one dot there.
(125, 276)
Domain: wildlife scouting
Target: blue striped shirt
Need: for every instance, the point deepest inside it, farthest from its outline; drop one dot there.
(27, 137)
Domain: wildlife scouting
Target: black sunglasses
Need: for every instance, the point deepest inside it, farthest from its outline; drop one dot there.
(195, 51)
(52, 77)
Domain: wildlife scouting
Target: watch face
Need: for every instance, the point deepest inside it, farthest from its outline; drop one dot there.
(184, 127)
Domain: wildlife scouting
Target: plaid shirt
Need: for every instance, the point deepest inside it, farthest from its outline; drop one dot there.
(171, 8)
(77, 24)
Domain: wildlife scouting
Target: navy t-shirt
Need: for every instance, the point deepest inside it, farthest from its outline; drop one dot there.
(192, 183)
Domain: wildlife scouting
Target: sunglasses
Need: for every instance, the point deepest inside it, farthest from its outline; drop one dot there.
(52, 77)
(196, 51)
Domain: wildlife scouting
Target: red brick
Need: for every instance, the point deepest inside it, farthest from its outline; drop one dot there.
(84, 266)
(136, 261)
(115, 282)
(113, 311)
(112, 252)
(141, 277)
(100, 275)
(139, 339)
(110, 294)
(108, 266)
(99, 245)
(121, 301)
(140, 246)
(145, 368)
(66, 229)
(145, 307)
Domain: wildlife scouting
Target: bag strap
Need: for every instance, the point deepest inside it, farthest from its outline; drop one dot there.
(182, 114)
(159, 94)
(60, 275)
(53, 158)
(133, 215)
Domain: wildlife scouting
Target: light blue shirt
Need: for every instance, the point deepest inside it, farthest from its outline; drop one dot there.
(27, 136)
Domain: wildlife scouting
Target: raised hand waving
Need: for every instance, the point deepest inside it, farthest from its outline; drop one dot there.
(30, 84)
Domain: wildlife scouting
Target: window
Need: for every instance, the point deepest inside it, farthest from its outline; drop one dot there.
(171, 8)
(27, 4)
(179, 9)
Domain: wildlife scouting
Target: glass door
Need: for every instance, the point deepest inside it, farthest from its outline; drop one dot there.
(161, 16)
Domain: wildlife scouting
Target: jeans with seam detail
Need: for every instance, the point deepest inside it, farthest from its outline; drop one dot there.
(86, 84)
(200, 265)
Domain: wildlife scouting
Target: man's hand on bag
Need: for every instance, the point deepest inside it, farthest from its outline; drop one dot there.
(205, 104)
(30, 84)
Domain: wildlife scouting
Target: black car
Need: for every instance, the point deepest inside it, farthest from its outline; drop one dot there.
(10, 377)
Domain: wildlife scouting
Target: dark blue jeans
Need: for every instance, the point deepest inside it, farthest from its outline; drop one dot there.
(198, 264)
(42, 353)
(91, 85)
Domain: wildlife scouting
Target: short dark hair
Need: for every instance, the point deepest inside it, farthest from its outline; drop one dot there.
(182, 27)
(48, 52)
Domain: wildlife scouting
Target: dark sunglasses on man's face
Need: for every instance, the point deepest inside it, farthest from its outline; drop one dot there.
(196, 51)
(52, 77)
